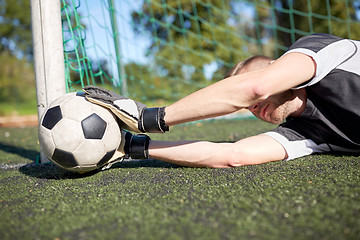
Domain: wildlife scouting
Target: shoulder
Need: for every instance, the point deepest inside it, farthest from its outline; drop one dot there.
(327, 51)
(315, 42)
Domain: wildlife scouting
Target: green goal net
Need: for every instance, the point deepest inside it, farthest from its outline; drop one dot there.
(162, 50)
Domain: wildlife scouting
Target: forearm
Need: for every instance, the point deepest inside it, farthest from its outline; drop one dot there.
(221, 98)
(248, 151)
(190, 153)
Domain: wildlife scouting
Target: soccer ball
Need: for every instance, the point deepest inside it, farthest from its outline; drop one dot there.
(78, 135)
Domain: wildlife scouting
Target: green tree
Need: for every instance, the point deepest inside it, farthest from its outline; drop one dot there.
(17, 81)
(154, 88)
(17, 85)
(186, 36)
(15, 27)
(302, 17)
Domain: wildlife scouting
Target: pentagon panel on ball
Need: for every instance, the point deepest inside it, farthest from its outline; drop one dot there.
(78, 135)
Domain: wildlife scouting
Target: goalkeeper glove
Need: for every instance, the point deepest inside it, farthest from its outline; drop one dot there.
(134, 115)
(131, 146)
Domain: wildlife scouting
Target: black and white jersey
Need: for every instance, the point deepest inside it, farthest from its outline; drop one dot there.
(331, 120)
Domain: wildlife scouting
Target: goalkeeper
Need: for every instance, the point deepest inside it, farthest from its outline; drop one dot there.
(312, 91)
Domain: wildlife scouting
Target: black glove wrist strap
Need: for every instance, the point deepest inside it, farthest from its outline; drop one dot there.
(152, 120)
(137, 146)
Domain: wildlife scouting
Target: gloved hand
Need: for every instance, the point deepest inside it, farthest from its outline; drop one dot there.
(131, 146)
(118, 156)
(134, 115)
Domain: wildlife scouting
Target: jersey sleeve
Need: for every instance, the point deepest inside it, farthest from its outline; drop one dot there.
(300, 140)
(326, 50)
(297, 147)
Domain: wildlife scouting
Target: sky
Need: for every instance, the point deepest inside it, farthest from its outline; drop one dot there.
(99, 42)
(132, 46)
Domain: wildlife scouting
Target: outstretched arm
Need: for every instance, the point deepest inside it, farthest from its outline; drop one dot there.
(249, 151)
(223, 97)
(243, 90)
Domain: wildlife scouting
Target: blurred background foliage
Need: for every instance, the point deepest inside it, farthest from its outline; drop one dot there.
(17, 80)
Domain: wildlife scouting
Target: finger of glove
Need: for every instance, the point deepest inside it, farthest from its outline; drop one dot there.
(97, 98)
(102, 93)
(119, 154)
(118, 157)
(108, 96)
(111, 98)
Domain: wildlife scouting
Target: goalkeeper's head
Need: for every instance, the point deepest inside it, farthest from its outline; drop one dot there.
(275, 108)
(251, 64)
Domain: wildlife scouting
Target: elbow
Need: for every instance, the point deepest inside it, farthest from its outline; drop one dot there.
(237, 158)
(260, 86)
(231, 161)
(259, 92)
(236, 162)
(253, 92)
(231, 156)
(248, 88)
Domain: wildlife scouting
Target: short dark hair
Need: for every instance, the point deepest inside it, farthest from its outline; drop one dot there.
(255, 62)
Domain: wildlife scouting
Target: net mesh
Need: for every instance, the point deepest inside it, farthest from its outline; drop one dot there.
(159, 51)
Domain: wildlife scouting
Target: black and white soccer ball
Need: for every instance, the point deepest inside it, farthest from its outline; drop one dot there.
(78, 135)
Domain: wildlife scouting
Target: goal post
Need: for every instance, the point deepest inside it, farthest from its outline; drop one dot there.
(48, 54)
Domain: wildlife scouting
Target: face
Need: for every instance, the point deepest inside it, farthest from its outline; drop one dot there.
(275, 108)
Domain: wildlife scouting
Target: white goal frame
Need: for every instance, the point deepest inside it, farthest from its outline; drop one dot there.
(48, 54)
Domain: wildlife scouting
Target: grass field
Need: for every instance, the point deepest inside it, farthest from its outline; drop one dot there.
(316, 197)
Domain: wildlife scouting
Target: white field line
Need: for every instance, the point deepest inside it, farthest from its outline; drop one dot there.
(11, 166)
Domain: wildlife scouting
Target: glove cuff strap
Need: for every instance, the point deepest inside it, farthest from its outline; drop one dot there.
(137, 146)
(152, 120)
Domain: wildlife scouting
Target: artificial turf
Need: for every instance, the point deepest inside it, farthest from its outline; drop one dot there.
(315, 197)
